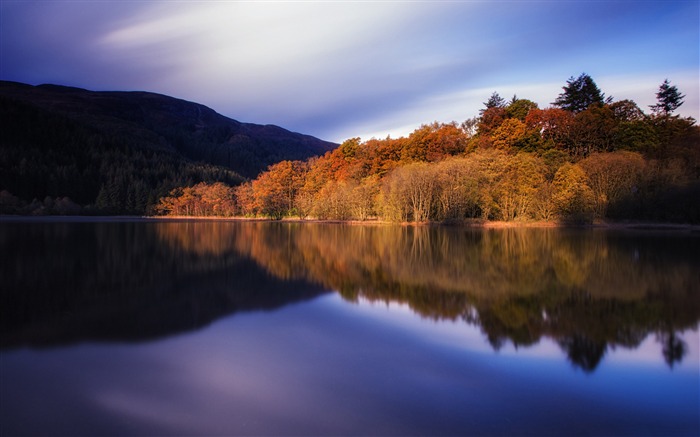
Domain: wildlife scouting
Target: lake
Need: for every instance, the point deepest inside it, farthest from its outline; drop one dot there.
(146, 327)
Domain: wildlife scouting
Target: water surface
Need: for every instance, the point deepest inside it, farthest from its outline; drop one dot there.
(220, 328)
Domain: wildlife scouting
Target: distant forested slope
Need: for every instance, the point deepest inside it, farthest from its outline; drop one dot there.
(119, 152)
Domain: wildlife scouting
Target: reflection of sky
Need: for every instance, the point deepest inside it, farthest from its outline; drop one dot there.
(459, 334)
(329, 367)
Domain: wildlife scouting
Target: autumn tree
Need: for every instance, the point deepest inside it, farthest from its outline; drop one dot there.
(513, 162)
(348, 149)
(275, 190)
(543, 205)
(519, 181)
(490, 164)
(552, 159)
(419, 189)
(592, 131)
(409, 193)
(434, 142)
(318, 174)
(457, 184)
(470, 127)
(218, 199)
(362, 198)
(509, 134)
(553, 124)
(383, 155)
(245, 199)
(491, 119)
(572, 196)
(392, 198)
(503, 127)
(514, 135)
(201, 200)
(612, 177)
(332, 202)
(269, 196)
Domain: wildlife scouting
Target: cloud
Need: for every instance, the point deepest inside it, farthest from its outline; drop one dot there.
(294, 60)
(340, 69)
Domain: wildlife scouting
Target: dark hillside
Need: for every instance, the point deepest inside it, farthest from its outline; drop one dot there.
(158, 122)
(120, 151)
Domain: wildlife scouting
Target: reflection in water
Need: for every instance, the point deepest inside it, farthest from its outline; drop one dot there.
(68, 282)
(80, 298)
(588, 290)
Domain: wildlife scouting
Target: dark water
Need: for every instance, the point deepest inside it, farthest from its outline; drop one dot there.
(222, 328)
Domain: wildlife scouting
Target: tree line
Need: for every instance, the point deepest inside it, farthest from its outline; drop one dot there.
(586, 157)
(52, 164)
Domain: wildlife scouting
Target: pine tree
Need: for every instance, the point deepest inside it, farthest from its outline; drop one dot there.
(669, 99)
(580, 93)
(495, 101)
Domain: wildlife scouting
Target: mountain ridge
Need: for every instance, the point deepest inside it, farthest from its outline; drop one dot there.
(118, 152)
(190, 128)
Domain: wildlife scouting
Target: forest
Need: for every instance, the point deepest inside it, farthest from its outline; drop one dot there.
(68, 150)
(584, 158)
(76, 169)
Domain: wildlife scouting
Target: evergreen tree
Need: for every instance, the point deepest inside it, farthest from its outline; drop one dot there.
(580, 93)
(495, 101)
(669, 99)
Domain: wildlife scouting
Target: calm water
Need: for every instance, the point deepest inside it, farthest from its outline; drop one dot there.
(221, 328)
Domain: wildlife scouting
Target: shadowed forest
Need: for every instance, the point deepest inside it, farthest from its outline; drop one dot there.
(72, 151)
(586, 157)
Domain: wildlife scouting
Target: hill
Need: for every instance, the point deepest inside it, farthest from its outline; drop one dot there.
(120, 151)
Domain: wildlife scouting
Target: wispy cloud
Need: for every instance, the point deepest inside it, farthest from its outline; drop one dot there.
(339, 69)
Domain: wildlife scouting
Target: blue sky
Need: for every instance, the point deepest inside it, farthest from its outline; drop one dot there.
(337, 70)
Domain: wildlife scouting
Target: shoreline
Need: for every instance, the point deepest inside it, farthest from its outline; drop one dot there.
(472, 223)
(469, 223)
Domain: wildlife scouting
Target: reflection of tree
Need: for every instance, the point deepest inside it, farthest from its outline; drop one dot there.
(588, 290)
(583, 352)
(674, 348)
(515, 319)
(68, 282)
(201, 238)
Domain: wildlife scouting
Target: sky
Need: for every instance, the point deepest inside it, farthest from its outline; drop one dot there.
(337, 70)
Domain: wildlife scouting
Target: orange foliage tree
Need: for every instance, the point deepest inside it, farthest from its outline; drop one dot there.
(553, 124)
(572, 196)
(434, 142)
(275, 190)
(203, 200)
